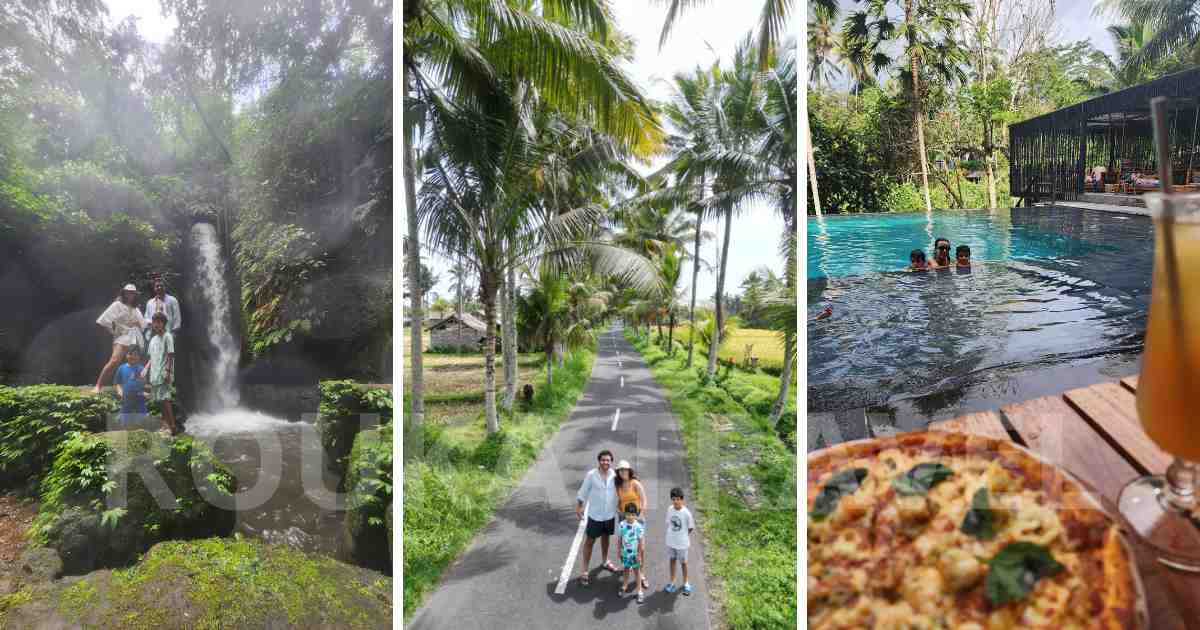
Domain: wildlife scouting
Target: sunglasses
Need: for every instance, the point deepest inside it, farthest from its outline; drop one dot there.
(943, 248)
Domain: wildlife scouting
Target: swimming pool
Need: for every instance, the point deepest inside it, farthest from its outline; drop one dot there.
(1056, 296)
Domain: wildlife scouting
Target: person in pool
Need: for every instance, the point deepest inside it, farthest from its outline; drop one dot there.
(941, 254)
(962, 256)
(916, 261)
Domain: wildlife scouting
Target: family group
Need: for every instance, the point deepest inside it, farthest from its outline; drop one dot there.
(605, 492)
(143, 346)
(941, 257)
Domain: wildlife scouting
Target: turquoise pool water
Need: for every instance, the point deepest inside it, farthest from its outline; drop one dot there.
(857, 244)
(1050, 288)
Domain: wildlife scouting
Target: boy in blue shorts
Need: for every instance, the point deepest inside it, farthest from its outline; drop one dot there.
(632, 535)
(131, 387)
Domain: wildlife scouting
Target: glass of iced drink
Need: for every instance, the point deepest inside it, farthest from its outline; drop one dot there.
(1163, 509)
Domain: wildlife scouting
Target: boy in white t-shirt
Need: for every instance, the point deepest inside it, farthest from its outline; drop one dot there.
(679, 529)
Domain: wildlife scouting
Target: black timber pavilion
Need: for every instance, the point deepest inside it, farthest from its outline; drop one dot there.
(1050, 156)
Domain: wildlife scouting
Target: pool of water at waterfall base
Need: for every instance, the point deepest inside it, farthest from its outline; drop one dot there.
(1055, 298)
(289, 495)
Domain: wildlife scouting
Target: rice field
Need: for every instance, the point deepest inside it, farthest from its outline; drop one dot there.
(767, 345)
(454, 384)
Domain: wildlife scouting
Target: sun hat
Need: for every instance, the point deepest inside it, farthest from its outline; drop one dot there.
(624, 463)
(130, 287)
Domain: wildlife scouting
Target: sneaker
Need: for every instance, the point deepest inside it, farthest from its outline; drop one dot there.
(687, 589)
(670, 587)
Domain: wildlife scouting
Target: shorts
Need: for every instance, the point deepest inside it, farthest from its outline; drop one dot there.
(677, 554)
(630, 560)
(162, 392)
(596, 529)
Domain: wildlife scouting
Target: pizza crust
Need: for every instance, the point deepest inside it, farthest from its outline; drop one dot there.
(1082, 518)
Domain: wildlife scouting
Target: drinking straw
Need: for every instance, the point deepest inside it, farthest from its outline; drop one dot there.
(1158, 114)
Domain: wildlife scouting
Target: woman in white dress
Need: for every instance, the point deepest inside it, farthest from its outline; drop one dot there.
(124, 322)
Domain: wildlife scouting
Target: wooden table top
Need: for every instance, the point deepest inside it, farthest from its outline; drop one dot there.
(1094, 433)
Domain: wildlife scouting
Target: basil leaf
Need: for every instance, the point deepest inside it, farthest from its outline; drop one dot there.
(842, 484)
(1015, 570)
(980, 520)
(921, 478)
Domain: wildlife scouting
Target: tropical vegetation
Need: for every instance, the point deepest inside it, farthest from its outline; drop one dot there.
(908, 99)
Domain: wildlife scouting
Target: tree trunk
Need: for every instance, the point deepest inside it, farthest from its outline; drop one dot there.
(812, 168)
(695, 277)
(785, 380)
(720, 316)
(487, 288)
(416, 318)
(549, 364)
(918, 114)
(671, 336)
(991, 177)
(509, 346)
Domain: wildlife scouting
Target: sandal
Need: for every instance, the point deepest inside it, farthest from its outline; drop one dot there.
(645, 582)
(611, 567)
(585, 580)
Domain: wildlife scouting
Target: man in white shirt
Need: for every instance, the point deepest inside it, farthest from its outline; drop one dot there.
(165, 304)
(598, 493)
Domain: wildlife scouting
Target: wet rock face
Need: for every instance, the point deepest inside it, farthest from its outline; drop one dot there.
(111, 496)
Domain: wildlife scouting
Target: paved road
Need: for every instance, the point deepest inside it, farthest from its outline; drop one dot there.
(509, 575)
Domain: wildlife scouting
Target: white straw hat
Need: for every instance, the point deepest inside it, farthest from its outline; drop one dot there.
(624, 463)
(130, 287)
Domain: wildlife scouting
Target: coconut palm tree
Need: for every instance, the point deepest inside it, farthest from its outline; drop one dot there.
(480, 201)
(772, 22)
(927, 36)
(467, 66)
(1173, 26)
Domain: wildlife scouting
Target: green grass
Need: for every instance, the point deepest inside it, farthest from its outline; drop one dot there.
(751, 539)
(455, 475)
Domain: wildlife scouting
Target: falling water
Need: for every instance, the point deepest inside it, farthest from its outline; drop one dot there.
(256, 447)
(211, 280)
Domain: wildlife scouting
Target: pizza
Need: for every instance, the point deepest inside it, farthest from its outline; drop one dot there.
(946, 530)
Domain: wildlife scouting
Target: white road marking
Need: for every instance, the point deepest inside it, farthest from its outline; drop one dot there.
(565, 576)
(616, 417)
(622, 381)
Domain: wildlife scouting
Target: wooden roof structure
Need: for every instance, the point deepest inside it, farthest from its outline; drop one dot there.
(1052, 153)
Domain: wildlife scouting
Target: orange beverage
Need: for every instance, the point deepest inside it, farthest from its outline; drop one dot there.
(1168, 392)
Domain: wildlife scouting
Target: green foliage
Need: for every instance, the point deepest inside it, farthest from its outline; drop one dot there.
(452, 487)
(344, 407)
(85, 474)
(369, 483)
(750, 547)
(36, 421)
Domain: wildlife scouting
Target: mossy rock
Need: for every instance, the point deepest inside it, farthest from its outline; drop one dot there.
(346, 409)
(36, 420)
(213, 583)
(111, 496)
(368, 531)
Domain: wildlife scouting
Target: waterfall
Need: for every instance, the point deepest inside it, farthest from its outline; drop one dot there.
(210, 278)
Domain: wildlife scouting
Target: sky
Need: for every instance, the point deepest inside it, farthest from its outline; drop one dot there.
(702, 35)
(152, 26)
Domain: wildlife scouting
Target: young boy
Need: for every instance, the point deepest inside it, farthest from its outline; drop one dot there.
(679, 530)
(962, 256)
(916, 260)
(161, 371)
(631, 533)
(131, 388)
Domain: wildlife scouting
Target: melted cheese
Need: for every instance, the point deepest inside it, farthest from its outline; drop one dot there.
(887, 561)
